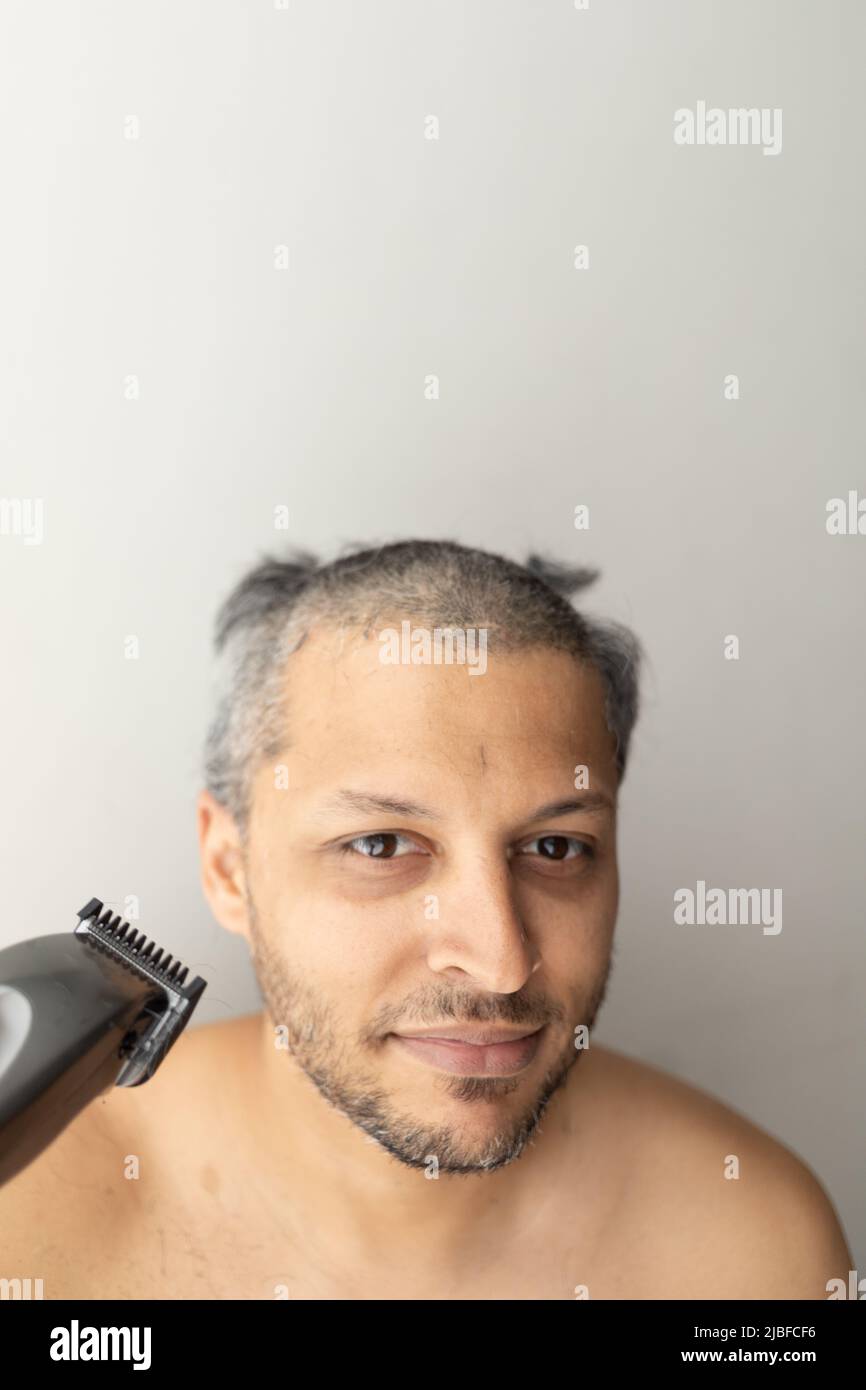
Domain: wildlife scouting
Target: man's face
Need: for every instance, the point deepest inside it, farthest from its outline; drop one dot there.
(469, 907)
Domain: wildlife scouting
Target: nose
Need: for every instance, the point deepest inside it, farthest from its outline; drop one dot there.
(479, 933)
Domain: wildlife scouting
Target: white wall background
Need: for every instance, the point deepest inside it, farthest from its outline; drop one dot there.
(305, 127)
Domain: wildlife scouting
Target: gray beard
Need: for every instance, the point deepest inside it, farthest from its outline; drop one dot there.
(332, 1067)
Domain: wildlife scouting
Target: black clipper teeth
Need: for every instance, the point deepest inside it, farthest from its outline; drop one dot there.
(131, 945)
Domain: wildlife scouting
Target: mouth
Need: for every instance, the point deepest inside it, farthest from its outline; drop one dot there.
(472, 1052)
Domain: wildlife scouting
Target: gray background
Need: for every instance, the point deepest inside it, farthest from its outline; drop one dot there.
(305, 127)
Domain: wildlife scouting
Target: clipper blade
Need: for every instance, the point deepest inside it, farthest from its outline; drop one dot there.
(132, 946)
(168, 1009)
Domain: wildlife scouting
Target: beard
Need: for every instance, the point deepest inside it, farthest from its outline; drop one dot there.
(330, 1062)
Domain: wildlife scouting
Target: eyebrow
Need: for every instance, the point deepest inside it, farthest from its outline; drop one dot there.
(369, 802)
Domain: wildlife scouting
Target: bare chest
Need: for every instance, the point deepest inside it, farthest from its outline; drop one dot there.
(207, 1255)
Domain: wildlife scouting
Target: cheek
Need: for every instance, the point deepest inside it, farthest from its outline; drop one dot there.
(576, 932)
(346, 950)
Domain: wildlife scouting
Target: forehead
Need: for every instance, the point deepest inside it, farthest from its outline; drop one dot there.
(531, 710)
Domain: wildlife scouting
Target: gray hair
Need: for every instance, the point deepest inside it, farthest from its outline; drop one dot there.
(271, 609)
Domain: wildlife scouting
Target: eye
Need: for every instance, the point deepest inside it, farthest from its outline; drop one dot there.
(382, 845)
(555, 848)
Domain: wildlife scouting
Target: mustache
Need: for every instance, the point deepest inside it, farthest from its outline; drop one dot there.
(455, 1011)
(434, 1008)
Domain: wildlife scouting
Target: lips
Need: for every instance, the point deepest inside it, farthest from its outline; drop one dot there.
(472, 1051)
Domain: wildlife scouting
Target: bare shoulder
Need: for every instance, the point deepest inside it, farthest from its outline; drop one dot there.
(53, 1213)
(711, 1205)
(65, 1214)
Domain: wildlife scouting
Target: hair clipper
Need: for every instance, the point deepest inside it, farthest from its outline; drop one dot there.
(81, 1012)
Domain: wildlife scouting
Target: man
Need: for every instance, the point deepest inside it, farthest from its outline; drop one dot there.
(421, 854)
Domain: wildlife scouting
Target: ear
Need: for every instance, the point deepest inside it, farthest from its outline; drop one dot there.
(223, 878)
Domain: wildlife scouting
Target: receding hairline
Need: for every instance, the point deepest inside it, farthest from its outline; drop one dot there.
(273, 608)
